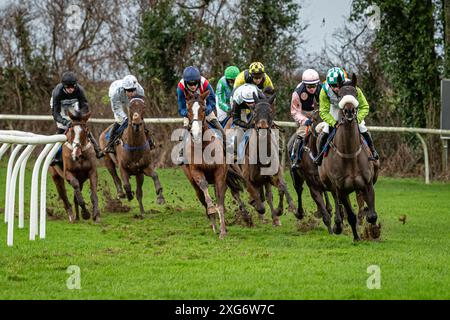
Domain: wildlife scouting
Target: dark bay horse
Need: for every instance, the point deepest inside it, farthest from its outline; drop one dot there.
(79, 165)
(347, 167)
(308, 171)
(259, 181)
(200, 172)
(132, 156)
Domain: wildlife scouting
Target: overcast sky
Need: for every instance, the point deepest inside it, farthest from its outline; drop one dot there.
(323, 17)
(314, 12)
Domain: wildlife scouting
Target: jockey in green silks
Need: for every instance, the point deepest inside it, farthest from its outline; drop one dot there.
(329, 110)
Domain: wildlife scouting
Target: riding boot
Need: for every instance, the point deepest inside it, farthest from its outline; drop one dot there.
(109, 148)
(322, 142)
(149, 139)
(98, 152)
(369, 141)
(296, 147)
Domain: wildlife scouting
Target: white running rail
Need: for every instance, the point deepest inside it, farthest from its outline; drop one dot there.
(17, 140)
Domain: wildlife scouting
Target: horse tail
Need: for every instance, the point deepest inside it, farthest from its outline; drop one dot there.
(235, 180)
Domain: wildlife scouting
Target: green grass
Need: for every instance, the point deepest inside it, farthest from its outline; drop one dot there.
(173, 254)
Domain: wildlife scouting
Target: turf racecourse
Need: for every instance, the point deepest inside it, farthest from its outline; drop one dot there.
(172, 253)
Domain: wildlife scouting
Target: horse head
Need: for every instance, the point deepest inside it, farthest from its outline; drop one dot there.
(77, 134)
(348, 99)
(263, 111)
(196, 106)
(136, 113)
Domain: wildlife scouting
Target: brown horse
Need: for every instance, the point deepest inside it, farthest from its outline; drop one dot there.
(308, 171)
(199, 172)
(347, 167)
(132, 156)
(79, 165)
(259, 183)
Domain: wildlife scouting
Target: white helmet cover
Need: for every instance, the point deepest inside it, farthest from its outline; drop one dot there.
(247, 93)
(310, 76)
(129, 82)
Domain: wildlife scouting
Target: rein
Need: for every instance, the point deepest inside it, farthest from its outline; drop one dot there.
(341, 154)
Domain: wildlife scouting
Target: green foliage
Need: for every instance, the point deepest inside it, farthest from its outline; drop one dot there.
(406, 47)
(173, 254)
(163, 36)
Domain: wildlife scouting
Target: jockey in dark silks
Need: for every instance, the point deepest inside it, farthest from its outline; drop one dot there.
(302, 107)
(68, 96)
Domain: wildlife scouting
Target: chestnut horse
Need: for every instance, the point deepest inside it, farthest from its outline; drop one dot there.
(132, 156)
(308, 171)
(204, 173)
(79, 165)
(347, 167)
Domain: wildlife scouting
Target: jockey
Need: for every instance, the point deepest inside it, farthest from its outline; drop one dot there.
(223, 93)
(329, 108)
(256, 75)
(68, 96)
(242, 101)
(120, 93)
(302, 107)
(194, 82)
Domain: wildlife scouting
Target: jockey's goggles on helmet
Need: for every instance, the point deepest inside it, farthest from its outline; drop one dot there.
(230, 81)
(257, 76)
(311, 86)
(69, 86)
(130, 90)
(335, 85)
(192, 83)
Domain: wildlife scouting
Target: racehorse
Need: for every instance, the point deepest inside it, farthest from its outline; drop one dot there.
(308, 171)
(204, 173)
(347, 167)
(132, 156)
(79, 165)
(259, 184)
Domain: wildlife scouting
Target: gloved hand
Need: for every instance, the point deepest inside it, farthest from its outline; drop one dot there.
(68, 123)
(185, 122)
(308, 122)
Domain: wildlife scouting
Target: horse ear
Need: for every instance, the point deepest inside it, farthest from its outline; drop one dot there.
(272, 98)
(205, 94)
(354, 80)
(86, 116)
(255, 97)
(340, 81)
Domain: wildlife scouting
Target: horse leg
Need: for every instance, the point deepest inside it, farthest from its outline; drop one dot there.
(369, 197)
(328, 203)
(318, 199)
(255, 196)
(139, 183)
(221, 188)
(211, 209)
(77, 187)
(298, 185)
(77, 208)
(351, 217)
(337, 229)
(109, 164)
(93, 179)
(126, 183)
(158, 188)
(360, 201)
(61, 188)
(275, 212)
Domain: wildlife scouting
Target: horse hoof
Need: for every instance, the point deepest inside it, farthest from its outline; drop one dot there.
(276, 222)
(299, 214)
(372, 219)
(71, 219)
(278, 212)
(121, 195)
(222, 235)
(130, 196)
(318, 214)
(160, 200)
(337, 229)
(139, 216)
(86, 215)
(212, 210)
